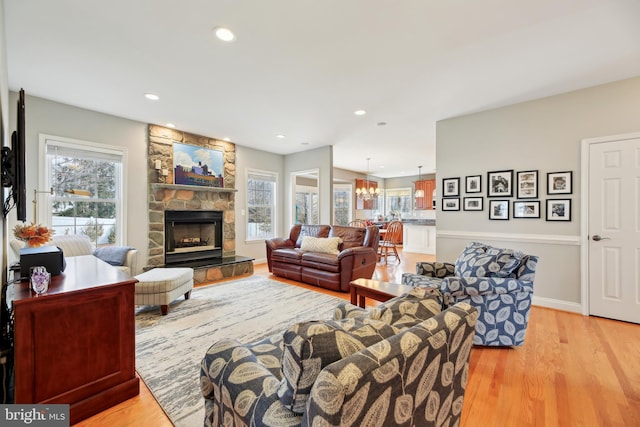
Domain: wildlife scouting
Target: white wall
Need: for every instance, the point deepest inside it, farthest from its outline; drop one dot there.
(52, 118)
(543, 135)
(248, 158)
(321, 159)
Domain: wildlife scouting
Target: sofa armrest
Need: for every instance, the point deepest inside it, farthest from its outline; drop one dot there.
(409, 378)
(277, 243)
(435, 269)
(352, 252)
(237, 384)
(131, 262)
(475, 286)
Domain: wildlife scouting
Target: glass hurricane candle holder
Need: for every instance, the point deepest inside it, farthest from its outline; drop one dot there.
(40, 278)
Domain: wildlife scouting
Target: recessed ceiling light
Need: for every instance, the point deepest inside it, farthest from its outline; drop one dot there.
(304, 143)
(280, 136)
(359, 112)
(171, 125)
(381, 123)
(224, 34)
(151, 96)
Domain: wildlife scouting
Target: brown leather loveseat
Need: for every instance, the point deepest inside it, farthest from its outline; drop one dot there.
(356, 257)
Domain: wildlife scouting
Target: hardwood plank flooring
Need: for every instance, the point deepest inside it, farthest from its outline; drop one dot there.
(573, 370)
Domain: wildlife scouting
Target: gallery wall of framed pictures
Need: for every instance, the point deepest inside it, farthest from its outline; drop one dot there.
(502, 186)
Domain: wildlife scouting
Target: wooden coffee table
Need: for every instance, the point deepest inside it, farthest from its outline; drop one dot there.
(375, 289)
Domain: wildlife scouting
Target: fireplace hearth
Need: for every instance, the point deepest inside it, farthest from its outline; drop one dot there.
(192, 236)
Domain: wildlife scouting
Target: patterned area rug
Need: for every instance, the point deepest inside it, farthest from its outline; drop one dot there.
(169, 348)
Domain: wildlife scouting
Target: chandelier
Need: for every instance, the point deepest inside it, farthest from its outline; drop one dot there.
(367, 192)
(419, 191)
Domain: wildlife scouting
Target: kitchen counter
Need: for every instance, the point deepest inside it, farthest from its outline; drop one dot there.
(419, 236)
(429, 222)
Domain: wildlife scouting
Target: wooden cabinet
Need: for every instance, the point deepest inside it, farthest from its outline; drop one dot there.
(426, 185)
(75, 344)
(371, 204)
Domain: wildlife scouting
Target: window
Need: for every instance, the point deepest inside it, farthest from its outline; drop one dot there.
(342, 196)
(87, 182)
(307, 205)
(398, 200)
(261, 204)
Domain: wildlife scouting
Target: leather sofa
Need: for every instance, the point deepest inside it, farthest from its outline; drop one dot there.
(356, 257)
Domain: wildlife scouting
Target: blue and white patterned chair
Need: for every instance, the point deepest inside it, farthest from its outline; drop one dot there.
(498, 282)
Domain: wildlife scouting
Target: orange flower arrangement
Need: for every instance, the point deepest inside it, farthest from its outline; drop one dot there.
(34, 235)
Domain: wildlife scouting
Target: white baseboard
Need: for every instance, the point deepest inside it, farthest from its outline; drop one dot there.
(556, 304)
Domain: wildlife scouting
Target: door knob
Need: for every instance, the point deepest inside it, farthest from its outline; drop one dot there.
(597, 238)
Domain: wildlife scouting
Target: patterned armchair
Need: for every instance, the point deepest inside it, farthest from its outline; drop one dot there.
(498, 282)
(407, 375)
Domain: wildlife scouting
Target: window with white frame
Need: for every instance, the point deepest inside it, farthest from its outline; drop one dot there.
(307, 208)
(398, 201)
(261, 204)
(87, 182)
(342, 197)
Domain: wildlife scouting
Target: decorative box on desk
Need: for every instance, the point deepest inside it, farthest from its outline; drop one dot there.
(75, 344)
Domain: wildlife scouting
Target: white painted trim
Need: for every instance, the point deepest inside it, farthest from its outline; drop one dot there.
(584, 210)
(44, 209)
(548, 239)
(555, 304)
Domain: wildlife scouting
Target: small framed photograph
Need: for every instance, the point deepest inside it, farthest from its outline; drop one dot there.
(527, 209)
(559, 182)
(450, 187)
(527, 182)
(500, 183)
(452, 204)
(473, 204)
(473, 184)
(558, 209)
(499, 209)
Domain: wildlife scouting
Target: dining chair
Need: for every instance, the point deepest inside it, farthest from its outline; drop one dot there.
(390, 240)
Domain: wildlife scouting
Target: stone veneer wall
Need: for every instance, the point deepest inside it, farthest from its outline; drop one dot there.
(165, 196)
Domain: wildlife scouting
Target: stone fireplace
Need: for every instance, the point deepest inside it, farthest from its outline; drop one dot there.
(219, 261)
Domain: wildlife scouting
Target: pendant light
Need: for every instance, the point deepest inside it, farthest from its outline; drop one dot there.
(419, 191)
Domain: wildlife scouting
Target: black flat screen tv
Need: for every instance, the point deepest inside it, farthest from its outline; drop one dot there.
(13, 166)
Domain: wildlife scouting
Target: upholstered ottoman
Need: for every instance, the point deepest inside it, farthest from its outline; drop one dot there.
(160, 286)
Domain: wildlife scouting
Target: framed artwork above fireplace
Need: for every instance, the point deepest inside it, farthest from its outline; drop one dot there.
(196, 165)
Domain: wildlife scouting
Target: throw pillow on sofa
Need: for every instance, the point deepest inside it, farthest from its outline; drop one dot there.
(480, 260)
(311, 346)
(325, 245)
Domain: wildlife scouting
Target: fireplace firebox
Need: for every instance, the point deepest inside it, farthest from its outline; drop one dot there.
(192, 236)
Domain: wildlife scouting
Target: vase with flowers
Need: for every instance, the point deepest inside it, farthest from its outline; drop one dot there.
(34, 235)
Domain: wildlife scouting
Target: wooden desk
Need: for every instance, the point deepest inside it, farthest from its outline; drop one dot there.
(75, 344)
(375, 289)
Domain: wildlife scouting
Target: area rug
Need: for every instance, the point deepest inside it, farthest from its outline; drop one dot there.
(169, 348)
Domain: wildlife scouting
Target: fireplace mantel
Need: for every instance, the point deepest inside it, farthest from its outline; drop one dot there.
(193, 188)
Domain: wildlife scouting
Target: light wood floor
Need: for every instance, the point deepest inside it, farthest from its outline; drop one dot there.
(572, 371)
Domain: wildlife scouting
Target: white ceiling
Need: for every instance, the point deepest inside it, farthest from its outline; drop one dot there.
(301, 67)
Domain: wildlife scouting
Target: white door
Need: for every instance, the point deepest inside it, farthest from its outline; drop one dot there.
(614, 229)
